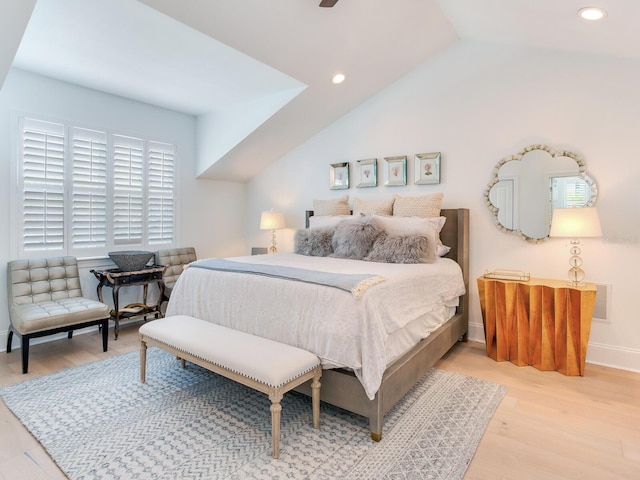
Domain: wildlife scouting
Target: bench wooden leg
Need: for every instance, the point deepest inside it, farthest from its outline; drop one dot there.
(143, 361)
(315, 397)
(183, 362)
(276, 408)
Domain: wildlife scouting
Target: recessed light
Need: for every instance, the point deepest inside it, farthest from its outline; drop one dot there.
(592, 13)
(338, 78)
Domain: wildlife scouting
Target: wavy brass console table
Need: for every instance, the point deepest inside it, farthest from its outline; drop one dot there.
(540, 322)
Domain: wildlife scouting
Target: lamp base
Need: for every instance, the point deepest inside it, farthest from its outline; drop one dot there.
(273, 248)
(576, 274)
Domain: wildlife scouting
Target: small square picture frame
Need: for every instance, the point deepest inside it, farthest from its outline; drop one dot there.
(367, 173)
(427, 168)
(339, 176)
(396, 171)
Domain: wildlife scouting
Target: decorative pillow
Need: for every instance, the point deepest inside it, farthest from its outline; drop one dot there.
(315, 242)
(423, 206)
(404, 226)
(402, 249)
(367, 207)
(354, 238)
(334, 206)
(326, 221)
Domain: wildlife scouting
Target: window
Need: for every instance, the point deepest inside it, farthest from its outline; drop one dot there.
(85, 192)
(42, 186)
(160, 193)
(569, 192)
(88, 189)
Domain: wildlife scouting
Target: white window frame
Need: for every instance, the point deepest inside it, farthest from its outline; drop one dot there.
(89, 188)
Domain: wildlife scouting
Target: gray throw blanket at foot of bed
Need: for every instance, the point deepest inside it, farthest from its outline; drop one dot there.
(355, 283)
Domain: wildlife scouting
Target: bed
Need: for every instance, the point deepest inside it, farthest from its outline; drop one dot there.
(348, 328)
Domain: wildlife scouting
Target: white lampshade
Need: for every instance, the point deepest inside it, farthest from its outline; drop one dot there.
(271, 220)
(575, 223)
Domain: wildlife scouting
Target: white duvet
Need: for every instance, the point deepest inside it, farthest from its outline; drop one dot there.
(342, 330)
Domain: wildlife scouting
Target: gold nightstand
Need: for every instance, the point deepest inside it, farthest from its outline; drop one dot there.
(540, 322)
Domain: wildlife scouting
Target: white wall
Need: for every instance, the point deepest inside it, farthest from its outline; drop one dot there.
(477, 103)
(210, 213)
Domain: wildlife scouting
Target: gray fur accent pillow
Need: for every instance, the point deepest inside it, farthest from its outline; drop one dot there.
(315, 242)
(402, 249)
(354, 238)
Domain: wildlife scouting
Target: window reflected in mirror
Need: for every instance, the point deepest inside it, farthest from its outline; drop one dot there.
(527, 186)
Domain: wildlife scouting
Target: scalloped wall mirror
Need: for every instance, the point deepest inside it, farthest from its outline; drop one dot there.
(527, 186)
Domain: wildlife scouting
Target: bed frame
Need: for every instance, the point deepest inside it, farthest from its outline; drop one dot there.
(341, 388)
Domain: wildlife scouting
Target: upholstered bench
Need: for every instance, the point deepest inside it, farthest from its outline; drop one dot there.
(262, 364)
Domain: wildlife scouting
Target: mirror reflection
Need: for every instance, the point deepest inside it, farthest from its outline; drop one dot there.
(527, 186)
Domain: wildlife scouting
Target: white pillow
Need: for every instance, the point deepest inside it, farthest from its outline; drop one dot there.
(326, 221)
(367, 207)
(333, 206)
(422, 206)
(408, 226)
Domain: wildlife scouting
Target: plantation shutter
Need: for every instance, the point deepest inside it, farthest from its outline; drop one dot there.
(569, 192)
(575, 193)
(42, 176)
(82, 192)
(89, 189)
(128, 204)
(161, 193)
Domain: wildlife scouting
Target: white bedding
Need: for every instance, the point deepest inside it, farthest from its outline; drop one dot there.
(341, 330)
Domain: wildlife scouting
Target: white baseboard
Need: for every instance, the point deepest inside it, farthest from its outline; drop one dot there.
(476, 332)
(615, 357)
(597, 353)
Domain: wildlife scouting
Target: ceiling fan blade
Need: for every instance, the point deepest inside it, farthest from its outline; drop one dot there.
(328, 3)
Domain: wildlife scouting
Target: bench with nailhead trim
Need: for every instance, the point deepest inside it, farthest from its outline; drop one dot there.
(262, 364)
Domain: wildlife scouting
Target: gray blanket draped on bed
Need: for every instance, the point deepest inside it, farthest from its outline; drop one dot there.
(356, 284)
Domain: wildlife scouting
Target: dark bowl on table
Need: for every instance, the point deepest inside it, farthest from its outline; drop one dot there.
(131, 261)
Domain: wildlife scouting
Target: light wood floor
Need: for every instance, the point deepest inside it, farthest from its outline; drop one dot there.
(548, 426)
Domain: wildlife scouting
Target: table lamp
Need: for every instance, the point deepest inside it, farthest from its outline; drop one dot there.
(272, 220)
(575, 223)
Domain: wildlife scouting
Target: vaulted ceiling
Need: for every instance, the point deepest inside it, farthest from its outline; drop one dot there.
(257, 74)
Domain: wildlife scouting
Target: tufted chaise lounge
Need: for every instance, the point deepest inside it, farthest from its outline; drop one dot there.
(45, 297)
(176, 260)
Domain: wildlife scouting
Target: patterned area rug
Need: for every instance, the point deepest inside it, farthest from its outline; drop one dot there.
(97, 421)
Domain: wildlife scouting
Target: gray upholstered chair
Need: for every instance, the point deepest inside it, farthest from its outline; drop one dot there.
(176, 260)
(45, 297)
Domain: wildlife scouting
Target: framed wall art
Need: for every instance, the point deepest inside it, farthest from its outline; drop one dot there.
(339, 176)
(427, 168)
(396, 171)
(367, 173)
